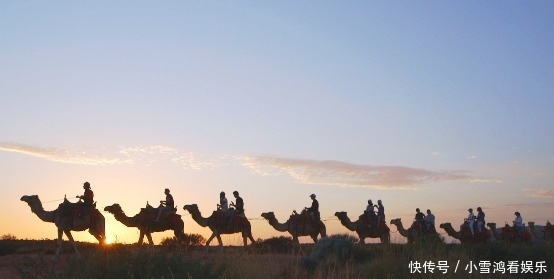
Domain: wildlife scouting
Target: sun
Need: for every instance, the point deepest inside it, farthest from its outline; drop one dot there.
(109, 240)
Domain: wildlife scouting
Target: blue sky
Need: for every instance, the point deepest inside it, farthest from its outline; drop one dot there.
(422, 104)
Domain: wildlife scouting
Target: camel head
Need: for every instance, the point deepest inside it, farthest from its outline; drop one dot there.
(114, 208)
(396, 221)
(268, 215)
(491, 226)
(191, 208)
(531, 224)
(31, 200)
(445, 225)
(341, 215)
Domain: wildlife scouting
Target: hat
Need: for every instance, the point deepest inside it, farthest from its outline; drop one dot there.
(166, 189)
(312, 196)
(517, 213)
(86, 185)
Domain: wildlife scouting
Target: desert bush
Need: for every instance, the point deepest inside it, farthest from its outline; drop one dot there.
(280, 244)
(188, 239)
(8, 237)
(345, 236)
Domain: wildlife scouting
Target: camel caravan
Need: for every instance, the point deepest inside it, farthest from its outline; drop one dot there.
(230, 219)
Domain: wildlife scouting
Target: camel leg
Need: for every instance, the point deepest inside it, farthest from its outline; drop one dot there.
(210, 239)
(251, 238)
(141, 238)
(219, 240)
(58, 244)
(149, 237)
(314, 237)
(71, 240)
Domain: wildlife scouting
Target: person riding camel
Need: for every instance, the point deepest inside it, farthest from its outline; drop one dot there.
(223, 204)
(166, 206)
(430, 220)
(470, 220)
(238, 205)
(480, 219)
(87, 199)
(518, 222)
(314, 209)
(370, 212)
(380, 212)
(420, 219)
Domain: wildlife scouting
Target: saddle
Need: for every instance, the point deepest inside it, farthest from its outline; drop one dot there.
(513, 232)
(228, 219)
(150, 213)
(79, 211)
(372, 221)
(304, 219)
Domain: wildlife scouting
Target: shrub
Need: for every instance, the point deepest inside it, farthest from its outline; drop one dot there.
(188, 239)
(8, 237)
(281, 244)
(345, 236)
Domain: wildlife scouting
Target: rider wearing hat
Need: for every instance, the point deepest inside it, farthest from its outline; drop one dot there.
(314, 209)
(87, 198)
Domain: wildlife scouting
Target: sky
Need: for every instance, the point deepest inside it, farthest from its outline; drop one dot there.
(439, 105)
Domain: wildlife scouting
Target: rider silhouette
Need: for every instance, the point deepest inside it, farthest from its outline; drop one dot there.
(167, 205)
(87, 198)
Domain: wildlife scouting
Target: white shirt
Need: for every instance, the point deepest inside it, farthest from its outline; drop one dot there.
(471, 217)
(223, 204)
(519, 221)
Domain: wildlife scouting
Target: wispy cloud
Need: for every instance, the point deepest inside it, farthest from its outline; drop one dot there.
(184, 159)
(60, 155)
(541, 193)
(349, 175)
(304, 171)
(147, 155)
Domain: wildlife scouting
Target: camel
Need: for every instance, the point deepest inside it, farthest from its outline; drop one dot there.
(297, 225)
(220, 224)
(361, 227)
(66, 220)
(412, 233)
(464, 235)
(539, 233)
(545, 233)
(508, 234)
(145, 222)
